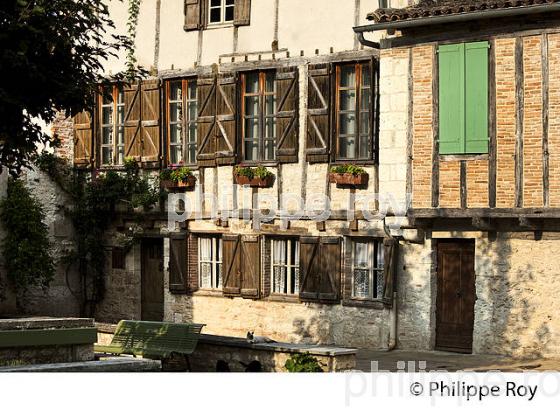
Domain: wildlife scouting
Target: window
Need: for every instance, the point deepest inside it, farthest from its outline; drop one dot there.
(210, 262)
(118, 258)
(221, 11)
(367, 270)
(182, 114)
(353, 112)
(112, 126)
(259, 116)
(285, 266)
(463, 98)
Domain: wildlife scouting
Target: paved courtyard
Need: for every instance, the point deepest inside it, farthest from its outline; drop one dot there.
(450, 361)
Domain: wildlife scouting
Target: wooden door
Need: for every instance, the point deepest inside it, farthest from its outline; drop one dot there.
(456, 296)
(152, 279)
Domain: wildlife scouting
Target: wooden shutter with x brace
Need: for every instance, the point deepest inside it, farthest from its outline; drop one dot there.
(193, 14)
(226, 111)
(83, 139)
(287, 119)
(150, 124)
(206, 88)
(231, 245)
(132, 121)
(318, 113)
(242, 13)
(320, 269)
(250, 267)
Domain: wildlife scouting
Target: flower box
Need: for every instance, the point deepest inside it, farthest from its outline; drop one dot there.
(182, 185)
(348, 179)
(255, 182)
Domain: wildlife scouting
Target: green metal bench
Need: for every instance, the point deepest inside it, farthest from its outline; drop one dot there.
(157, 340)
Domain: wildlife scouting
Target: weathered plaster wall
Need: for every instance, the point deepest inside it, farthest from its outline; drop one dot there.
(517, 285)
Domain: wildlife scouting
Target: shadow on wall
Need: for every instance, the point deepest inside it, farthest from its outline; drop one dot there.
(515, 296)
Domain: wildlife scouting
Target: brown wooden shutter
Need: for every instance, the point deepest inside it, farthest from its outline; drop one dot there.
(242, 13)
(390, 247)
(329, 289)
(287, 119)
(83, 139)
(132, 121)
(226, 114)
(150, 125)
(231, 245)
(310, 263)
(193, 14)
(320, 269)
(251, 267)
(177, 265)
(206, 88)
(318, 113)
(192, 263)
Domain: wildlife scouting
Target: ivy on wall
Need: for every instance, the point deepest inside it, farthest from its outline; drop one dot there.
(131, 26)
(95, 200)
(26, 248)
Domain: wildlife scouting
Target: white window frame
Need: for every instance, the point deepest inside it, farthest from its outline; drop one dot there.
(375, 253)
(215, 262)
(289, 264)
(112, 123)
(222, 8)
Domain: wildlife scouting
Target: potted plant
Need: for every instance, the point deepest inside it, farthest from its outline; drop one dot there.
(348, 175)
(258, 177)
(179, 178)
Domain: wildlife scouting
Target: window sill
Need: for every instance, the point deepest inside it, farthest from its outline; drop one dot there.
(208, 292)
(216, 26)
(354, 161)
(463, 157)
(270, 164)
(363, 303)
(283, 298)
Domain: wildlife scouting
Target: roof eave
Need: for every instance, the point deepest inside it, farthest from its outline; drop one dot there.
(456, 18)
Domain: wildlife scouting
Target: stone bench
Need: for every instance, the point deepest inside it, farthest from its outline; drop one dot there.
(36, 340)
(272, 356)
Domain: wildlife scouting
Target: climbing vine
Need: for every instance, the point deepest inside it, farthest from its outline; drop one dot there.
(132, 25)
(94, 202)
(26, 247)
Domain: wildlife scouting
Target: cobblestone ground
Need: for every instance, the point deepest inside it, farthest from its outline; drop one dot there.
(450, 361)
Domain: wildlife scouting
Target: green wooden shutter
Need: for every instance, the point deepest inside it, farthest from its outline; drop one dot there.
(476, 97)
(451, 99)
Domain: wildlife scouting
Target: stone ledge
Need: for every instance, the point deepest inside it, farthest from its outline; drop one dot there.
(316, 350)
(44, 323)
(116, 364)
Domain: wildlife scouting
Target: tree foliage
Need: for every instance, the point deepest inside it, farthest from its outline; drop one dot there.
(26, 247)
(51, 58)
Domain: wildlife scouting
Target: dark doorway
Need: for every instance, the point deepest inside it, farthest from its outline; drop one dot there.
(152, 279)
(455, 296)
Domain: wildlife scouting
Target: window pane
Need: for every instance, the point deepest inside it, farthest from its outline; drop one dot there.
(193, 133)
(251, 150)
(380, 285)
(191, 154)
(364, 123)
(107, 115)
(120, 96)
(106, 155)
(191, 91)
(175, 134)
(366, 75)
(120, 135)
(364, 146)
(347, 147)
(192, 108)
(107, 135)
(215, 15)
(205, 275)
(175, 112)
(175, 154)
(205, 249)
(251, 128)
(176, 91)
(251, 106)
(279, 281)
(347, 124)
(270, 102)
(230, 2)
(361, 283)
(215, 3)
(252, 83)
(269, 82)
(347, 100)
(229, 14)
(348, 76)
(120, 155)
(380, 256)
(365, 99)
(270, 128)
